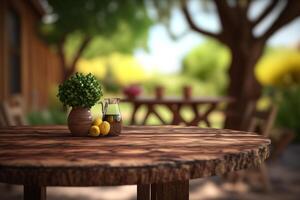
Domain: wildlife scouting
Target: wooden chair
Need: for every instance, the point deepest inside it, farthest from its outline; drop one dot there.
(13, 112)
(3, 122)
(257, 121)
(281, 138)
(262, 123)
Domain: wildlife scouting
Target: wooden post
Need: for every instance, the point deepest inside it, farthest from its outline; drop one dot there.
(159, 92)
(178, 190)
(143, 192)
(34, 192)
(187, 92)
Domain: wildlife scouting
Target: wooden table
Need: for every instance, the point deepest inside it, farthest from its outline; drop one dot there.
(175, 104)
(159, 159)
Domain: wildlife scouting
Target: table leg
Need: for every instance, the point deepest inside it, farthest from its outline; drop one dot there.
(143, 192)
(34, 192)
(178, 190)
(147, 115)
(175, 109)
(136, 106)
(202, 117)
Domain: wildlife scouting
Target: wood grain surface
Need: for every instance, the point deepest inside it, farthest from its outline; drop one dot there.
(50, 156)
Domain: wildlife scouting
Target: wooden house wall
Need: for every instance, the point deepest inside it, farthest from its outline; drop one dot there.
(40, 67)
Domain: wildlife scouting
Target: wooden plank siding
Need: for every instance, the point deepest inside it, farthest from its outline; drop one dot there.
(40, 67)
(1, 51)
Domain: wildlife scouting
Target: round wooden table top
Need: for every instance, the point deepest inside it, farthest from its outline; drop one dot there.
(50, 156)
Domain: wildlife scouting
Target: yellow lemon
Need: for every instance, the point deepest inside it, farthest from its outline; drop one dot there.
(94, 131)
(104, 128)
(97, 121)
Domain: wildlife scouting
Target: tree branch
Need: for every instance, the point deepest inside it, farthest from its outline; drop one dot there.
(163, 10)
(243, 7)
(82, 47)
(61, 52)
(61, 56)
(225, 13)
(247, 5)
(192, 23)
(174, 36)
(265, 13)
(288, 14)
(228, 21)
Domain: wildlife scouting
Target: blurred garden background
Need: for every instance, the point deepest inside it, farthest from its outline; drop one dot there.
(154, 46)
(247, 50)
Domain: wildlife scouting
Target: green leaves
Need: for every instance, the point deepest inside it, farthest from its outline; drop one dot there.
(289, 108)
(115, 25)
(80, 91)
(208, 63)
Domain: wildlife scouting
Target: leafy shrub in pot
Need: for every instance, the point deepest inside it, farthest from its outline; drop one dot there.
(80, 92)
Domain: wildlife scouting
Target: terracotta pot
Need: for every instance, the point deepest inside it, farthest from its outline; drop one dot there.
(79, 121)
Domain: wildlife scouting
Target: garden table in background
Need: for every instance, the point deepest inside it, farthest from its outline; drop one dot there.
(174, 104)
(159, 159)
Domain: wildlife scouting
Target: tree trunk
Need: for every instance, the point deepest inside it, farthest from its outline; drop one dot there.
(67, 73)
(243, 86)
(68, 69)
(237, 33)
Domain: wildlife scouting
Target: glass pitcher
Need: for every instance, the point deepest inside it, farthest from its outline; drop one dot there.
(111, 113)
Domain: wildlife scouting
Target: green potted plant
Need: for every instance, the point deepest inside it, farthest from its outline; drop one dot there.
(80, 92)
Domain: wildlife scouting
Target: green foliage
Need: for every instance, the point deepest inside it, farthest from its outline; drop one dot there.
(125, 39)
(80, 91)
(46, 117)
(114, 25)
(289, 109)
(110, 83)
(279, 72)
(208, 63)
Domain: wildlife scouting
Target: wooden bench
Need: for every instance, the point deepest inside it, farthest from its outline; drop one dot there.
(12, 112)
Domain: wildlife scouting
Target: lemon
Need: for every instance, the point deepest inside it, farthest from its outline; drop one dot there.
(94, 131)
(97, 121)
(104, 128)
